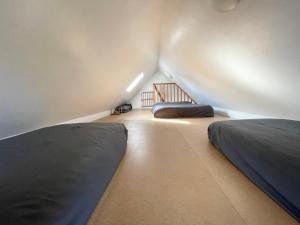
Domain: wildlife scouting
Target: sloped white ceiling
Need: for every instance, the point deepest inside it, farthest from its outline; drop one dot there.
(63, 59)
(246, 60)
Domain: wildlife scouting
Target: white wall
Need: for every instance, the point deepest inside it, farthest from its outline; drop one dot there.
(158, 77)
(245, 60)
(62, 59)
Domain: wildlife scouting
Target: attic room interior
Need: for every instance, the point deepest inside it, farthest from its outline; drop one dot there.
(149, 112)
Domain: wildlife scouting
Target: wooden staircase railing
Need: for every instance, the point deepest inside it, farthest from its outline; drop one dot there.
(165, 92)
(170, 92)
(147, 98)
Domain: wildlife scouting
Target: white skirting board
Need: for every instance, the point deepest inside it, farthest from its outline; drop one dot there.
(228, 113)
(84, 119)
(238, 115)
(89, 118)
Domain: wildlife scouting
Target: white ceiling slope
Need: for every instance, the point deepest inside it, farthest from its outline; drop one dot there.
(62, 59)
(246, 60)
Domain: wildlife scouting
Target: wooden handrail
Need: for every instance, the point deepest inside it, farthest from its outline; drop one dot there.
(193, 101)
(170, 92)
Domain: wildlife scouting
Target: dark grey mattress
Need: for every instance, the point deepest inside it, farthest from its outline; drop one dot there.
(268, 152)
(56, 175)
(181, 109)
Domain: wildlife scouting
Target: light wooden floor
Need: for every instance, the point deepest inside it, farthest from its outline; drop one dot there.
(171, 175)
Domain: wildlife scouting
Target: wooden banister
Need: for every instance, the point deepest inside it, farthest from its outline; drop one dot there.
(170, 92)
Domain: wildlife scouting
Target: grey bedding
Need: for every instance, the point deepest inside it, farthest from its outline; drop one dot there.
(56, 175)
(181, 109)
(268, 152)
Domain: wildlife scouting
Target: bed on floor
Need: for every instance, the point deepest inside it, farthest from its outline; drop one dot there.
(57, 175)
(267, 151)
(181, 109)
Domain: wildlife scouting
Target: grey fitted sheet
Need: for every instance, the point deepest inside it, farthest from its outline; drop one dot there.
(56, 175)
(268, 152)
(181, 109)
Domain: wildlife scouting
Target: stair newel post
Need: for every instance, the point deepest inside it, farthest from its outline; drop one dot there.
(154, 94)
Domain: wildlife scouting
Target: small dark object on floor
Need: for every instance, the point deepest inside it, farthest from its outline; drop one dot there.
(124, 108)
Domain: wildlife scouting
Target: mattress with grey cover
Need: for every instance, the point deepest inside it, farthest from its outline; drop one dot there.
(181, 109)
(56, 175)
(267, 151)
